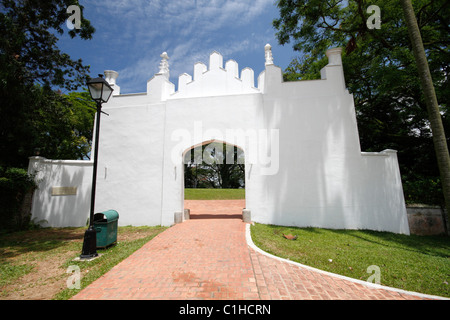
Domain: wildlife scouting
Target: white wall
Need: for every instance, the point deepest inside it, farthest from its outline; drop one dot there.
(130, 160)
(61, 210)
(324, 180)
(195, 120)
(317, 175)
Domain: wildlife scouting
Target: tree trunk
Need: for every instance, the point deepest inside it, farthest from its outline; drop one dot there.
(439, 140)
(23, 217)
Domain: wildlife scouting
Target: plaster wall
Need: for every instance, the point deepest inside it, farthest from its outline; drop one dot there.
(56, 208)
(324, 180)
(307, 171)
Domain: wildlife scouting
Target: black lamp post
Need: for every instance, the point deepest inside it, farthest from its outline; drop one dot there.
(100, 91)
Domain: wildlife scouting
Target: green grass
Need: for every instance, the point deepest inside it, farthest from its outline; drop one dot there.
(21, 252)
(107, 260)
(10, 272)
(213, 194)
(413, 263)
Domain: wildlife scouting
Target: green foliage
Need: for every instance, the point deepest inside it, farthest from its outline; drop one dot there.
(15, 183)
(214, 165)
(423, 191)
(16, 179)
(64, 129)
(380, 72)
(28, 45)
(58, 126)
(33, 112)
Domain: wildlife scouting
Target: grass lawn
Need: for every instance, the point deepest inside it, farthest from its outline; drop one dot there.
(413, 263)
(213, 194)
(33, 263)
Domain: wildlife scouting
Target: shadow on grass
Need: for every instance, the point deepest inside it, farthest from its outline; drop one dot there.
(40, 240)
(438, 246)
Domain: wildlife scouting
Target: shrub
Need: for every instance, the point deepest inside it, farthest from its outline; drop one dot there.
(424, 190)
(16, 189)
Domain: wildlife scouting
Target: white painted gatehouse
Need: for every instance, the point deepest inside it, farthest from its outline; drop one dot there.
(303, 162)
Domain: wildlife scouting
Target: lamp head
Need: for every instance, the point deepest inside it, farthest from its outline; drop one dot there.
(99, 89)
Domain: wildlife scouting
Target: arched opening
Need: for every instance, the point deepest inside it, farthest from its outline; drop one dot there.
(214, 180)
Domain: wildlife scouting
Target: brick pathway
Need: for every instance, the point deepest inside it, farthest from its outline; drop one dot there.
(207, 257)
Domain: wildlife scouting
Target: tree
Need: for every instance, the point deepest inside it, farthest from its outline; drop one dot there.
(381, 73)
(215, 165)
(63, 127)
(16, 190)
(28, 46)
(440, 142)
(32, 71)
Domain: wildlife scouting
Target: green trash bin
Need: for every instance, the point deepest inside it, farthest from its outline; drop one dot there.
(105, 223)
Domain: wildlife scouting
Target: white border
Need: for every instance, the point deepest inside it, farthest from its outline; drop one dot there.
(364, 283)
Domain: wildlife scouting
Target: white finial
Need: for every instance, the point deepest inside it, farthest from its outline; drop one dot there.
(164, 65)
(111, 76)
(334, 56)
(268, 54)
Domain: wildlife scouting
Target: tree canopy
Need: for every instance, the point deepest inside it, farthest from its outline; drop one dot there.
(380, 72)
(214, 165)
(33, 71)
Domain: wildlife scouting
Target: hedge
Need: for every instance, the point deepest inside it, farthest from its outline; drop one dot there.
(16, 189)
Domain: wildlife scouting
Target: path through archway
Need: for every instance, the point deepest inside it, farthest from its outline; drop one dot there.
(214, 181)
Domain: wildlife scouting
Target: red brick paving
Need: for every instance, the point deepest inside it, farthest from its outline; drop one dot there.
(207, 257)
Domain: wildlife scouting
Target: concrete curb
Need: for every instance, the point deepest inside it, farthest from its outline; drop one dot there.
(370, 285)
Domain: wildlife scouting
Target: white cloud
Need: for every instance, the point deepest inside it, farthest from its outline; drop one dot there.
(134, 77)
(187, 29)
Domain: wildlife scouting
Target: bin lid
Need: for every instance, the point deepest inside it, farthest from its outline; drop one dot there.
(106, 216)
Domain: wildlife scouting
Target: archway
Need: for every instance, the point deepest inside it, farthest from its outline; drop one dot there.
(214, 180)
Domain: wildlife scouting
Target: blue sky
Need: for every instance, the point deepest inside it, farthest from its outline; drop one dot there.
(131, 34)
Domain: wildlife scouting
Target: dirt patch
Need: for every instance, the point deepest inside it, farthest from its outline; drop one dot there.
(131, 235)
(47, 278)
(47, 251)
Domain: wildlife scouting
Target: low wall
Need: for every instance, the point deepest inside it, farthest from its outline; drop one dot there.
(426, 221)
(62, 198)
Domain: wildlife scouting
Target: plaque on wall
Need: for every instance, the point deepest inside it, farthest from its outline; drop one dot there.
(64, 191)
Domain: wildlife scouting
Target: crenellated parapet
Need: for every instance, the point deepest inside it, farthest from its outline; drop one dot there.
(216, 79)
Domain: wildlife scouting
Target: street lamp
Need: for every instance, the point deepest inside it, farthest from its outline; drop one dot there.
(100, 91)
